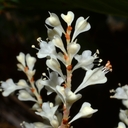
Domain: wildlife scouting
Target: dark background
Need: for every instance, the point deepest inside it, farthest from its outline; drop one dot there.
(22, 23)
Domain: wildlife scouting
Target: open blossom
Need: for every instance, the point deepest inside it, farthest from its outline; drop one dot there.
(52, 82)
(85, 60)
(46, 49)
(9, 86)
(49, 114)
(120, 93)
(95, 76)
(57, 52)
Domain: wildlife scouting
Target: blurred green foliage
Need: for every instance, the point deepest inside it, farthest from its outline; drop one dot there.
(113, 7)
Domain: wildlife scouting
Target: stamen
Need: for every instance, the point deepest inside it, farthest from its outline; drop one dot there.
(44, 74)
(108, 66)
(33, 46)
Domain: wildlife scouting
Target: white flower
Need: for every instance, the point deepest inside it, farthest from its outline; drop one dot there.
(73, 49)
(26, 64)
(68, 18)
(125, 103)
(52, 82)
(39, 85)
(120, 94)
(123, 115)
(85, 60)
(85, 112)
(49, 114)
(81, 26)
(9, 86)
(55, 66)
(21, 58)
(29, 61)
(71, 97)
(25, 96)
(121, 125)
(54, 21)
(57, 41)
(46, 49)
(95, 76)
(53, 32)
(67, 96)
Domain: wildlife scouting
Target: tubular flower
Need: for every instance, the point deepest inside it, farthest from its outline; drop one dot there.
(54, 21)
(55, 66)
(81, 26)
(85, 112)
(46, 49)
(95, 76)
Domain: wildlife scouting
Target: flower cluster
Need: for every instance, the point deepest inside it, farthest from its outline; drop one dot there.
(57, 52)
(122, 93)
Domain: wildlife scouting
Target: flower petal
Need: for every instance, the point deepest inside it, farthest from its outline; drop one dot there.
(30, 61)
(55, 66)
(68, 18)
(95, 76)
(81, 26)
(25, 96)
(85, 112)
(21, 58)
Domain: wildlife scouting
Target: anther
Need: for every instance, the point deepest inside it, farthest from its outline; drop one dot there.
(33, 46)
(39, 39)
